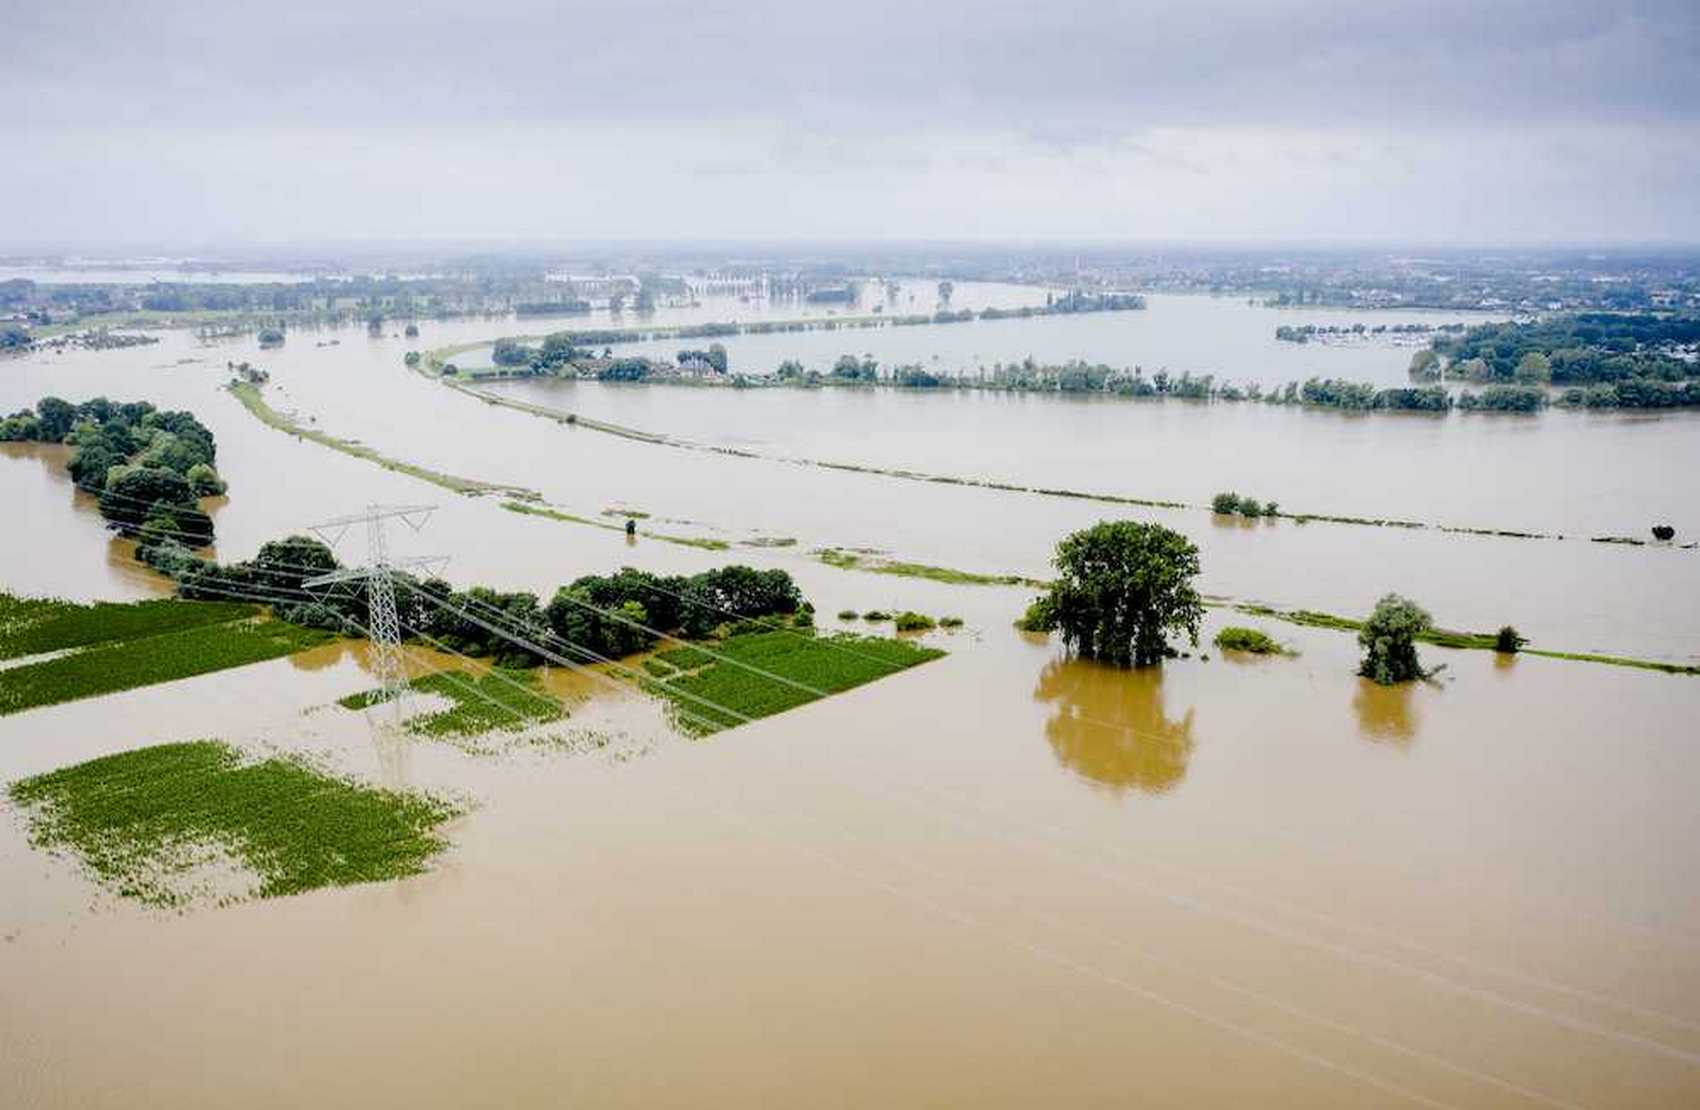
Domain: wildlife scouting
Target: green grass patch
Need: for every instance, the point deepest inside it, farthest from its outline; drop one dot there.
(1249, 640)
(144, 821)
(850, 560)
(911, 621)
(108, 668)
(34, 626)
(684, 658)
(831, 664)
(499, 699)
(569, 518)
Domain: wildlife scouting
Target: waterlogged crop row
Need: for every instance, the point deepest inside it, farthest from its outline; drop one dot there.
(830, 664)
(108, 668)
(35, 626)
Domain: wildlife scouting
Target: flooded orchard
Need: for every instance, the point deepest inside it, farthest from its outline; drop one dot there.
(1005, 877)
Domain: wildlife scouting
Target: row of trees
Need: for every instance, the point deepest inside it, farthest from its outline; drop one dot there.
(608, 615)
(1123, 588)
(147, 467)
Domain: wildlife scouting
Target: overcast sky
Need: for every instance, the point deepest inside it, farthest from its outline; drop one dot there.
(228, 123)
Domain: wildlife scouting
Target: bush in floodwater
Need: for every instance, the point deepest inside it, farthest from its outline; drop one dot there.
(1663, 532)
(876, 615)
(910, 621)
(1508, 641)
(1389, 639)
(848, 614)
(1248, 640)
(950, 622)
(1038, 617)
(1229, 504)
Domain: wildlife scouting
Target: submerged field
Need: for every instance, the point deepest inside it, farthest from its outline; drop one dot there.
(120, 647)
(168, 823)
(759, 674)
(37, 625)
(497, 699)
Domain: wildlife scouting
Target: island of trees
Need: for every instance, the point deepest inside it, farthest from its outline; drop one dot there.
(147, 467)
(1599, 359)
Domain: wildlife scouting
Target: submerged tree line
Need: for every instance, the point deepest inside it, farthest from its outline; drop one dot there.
(147, 467)
(1597, 359)
(601, 615)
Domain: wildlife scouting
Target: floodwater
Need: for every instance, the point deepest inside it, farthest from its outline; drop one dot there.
(1004, 877)
(1223, 336)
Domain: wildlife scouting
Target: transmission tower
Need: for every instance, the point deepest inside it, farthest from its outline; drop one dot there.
(382, 622)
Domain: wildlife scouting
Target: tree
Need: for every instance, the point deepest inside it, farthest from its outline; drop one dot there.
(133, 492)
(1509, 641)
(1534, 367)
(1389, 639)
(1122, 587)
(57, 418)
(204, 480)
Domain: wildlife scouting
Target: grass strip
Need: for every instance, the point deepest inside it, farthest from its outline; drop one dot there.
(109, 668)
(829, 663)
(850, 560)
(143, 820)
(1466, 641)
(569, 518)
(254, 401)
(34, 625)
(509, 700)
(561, 416)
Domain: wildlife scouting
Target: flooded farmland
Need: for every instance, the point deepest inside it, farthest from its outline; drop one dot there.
(1005, 877)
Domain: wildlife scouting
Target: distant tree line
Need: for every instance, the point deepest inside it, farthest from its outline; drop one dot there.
(1580, 349)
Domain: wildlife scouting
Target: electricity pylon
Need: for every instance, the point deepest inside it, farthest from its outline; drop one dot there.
(383, 624)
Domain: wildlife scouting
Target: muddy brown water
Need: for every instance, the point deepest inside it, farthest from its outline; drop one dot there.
(1004, 877)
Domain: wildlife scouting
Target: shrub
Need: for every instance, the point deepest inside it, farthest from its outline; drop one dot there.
(1225, 503)
(1663, 532)
(1508, 641)
(950, 622)
(1389, 640)
(910, 621)
(204, 480)
(848, 614)
(1248, 640)
(1038, 617)
(876, 615)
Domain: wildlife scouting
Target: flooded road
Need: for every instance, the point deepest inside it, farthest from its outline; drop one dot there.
(1005, 877)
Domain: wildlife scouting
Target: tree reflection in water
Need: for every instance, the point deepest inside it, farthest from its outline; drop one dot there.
(1385, 713)
(1109, 726)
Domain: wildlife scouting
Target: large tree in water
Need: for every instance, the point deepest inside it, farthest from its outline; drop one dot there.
(1122, 589)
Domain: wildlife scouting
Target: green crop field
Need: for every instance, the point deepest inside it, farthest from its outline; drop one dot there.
(36, 625)
(145, 821)
(124, 664)
(498, 699)
(830, 664)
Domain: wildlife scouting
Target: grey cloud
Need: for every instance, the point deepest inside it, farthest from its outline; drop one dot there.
(388, 63)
